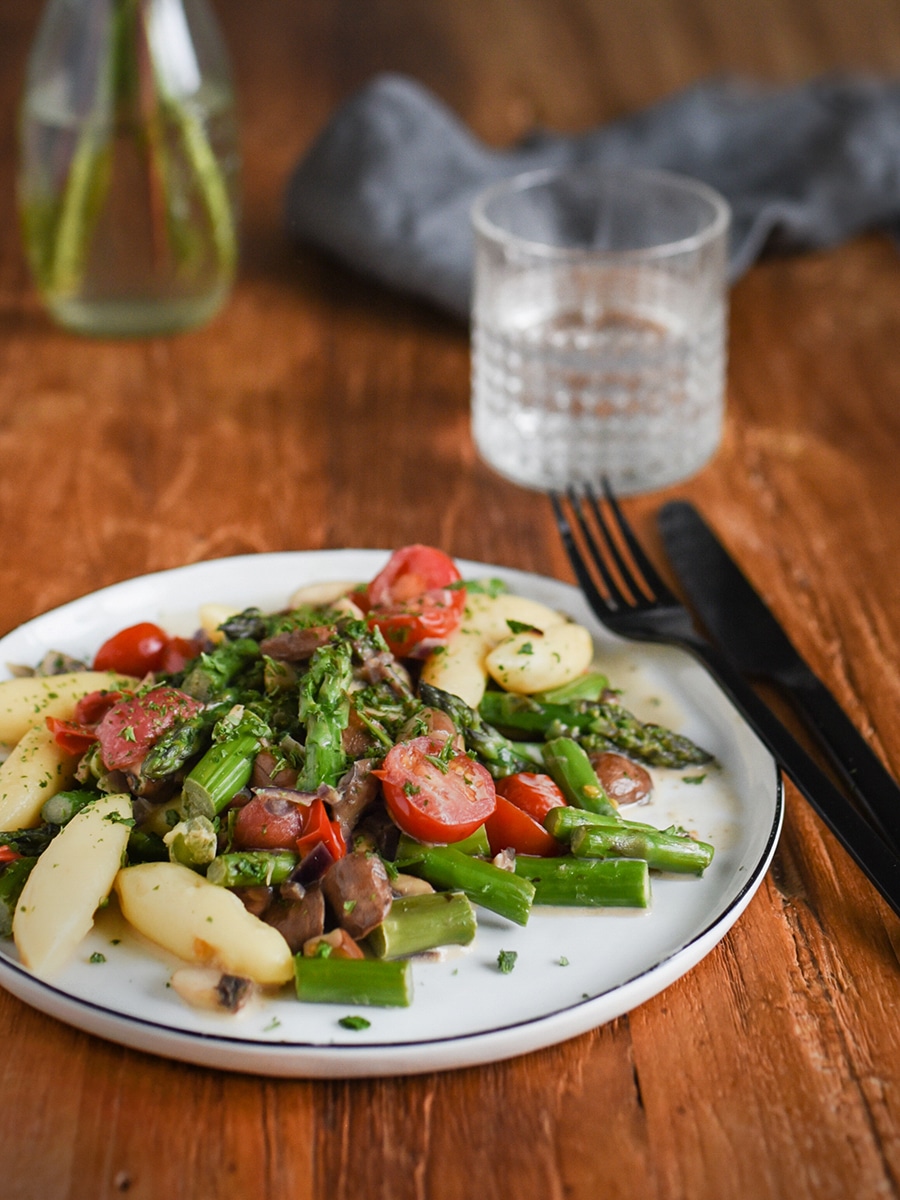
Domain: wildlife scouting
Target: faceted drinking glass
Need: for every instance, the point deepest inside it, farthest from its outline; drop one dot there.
(599, 327)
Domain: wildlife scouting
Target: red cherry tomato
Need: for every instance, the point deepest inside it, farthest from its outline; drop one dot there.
(319, 829)
(509, 828)
(133, 651)
(177, 653)
(535, 794)
(8, 855)
(269, 823)
(91, 708)
(70, 736)
(134, 724)
(412, 601)
(432, 797)
(410, 572)
(80, 733)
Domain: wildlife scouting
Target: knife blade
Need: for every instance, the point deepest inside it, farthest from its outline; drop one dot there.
(738, 620)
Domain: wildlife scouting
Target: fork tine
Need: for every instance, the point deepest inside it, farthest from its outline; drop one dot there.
(595, 597)
(615, 596)
(635, 586)
(655, 586)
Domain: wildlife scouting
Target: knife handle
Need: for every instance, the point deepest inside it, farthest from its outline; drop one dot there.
(874, 787)
(872, 855)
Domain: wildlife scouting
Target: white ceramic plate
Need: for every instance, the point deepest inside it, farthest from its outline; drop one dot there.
(575, 969)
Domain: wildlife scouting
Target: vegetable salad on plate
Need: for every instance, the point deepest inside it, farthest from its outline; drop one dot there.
(315, 798)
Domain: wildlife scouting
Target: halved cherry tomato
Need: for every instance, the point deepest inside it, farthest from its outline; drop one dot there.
(269, 823)
(70, 736)
(319, 828)
(8, 855)
(80, 733)
(177, 653)
(510, 828)
(92, 708)
(134, 724)
(411, 571)
(534, 793)
(145, 647)
(431, 796)
(412, 601)
(133, 651)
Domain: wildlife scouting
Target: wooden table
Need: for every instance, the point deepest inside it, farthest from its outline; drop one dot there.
(773, 1068)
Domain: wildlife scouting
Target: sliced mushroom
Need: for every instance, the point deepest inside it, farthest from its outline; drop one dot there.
(297, 920)
(624, 781)
(296, 645)
(358, 892)
(271, 771)
(354, 793)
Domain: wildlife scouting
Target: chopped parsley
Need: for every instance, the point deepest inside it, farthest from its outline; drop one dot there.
(356, 1023)
(521, 626)
(506, 960)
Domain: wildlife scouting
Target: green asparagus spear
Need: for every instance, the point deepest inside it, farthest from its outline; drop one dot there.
(614, 728)
(572, 772)
(525, 714)
(475, 843)
(564, 822)
(212, 672)
(12, 880)
(598, 725)
(492, 748)
(417, 923)
(587, 882)
(222, 771)
(589, 686)
(368, 981)
(177, 745)
(192, 842)
(325, 708)
(661, 850)
(251, 868)
(491, 887)
(61, 808)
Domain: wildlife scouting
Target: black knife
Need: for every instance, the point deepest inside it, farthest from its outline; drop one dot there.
(738, 620)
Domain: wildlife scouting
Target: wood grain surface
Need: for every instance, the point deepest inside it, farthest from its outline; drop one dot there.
(320, 410)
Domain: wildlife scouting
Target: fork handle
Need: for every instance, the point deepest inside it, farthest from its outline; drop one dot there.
(873, 856)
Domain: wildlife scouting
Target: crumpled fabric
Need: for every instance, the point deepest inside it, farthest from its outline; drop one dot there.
(388, 185)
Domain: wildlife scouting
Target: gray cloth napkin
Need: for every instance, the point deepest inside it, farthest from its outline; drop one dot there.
(388, 185)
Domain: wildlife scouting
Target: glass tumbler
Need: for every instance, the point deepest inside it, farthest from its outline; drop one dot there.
(128, 165)
(599, 327)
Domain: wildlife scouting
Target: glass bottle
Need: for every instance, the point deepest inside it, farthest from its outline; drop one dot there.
(128, 175)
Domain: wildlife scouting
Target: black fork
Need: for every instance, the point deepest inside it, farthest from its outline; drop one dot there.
(620, 582)
(630, 598)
